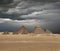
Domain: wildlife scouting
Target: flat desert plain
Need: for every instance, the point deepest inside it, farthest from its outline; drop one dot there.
(39, 42)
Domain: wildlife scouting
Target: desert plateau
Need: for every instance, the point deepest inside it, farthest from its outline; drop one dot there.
(39, 42)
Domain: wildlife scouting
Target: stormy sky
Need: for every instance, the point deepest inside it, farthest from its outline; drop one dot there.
(15, 13)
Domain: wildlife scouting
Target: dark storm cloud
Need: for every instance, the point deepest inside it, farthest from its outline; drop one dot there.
(46, 12)
(25, 8)
(11, 16)
(6, 4)
(43, 0)
(2, 2)
(14, 9)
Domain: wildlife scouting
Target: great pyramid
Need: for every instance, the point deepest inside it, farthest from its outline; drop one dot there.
(22, 30)
(38, 30)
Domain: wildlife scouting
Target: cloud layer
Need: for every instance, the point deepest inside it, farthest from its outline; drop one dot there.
(46, 12)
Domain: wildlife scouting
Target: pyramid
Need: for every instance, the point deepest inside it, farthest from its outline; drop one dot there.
(16, 32)
(23, 30)
(38, 30)
(5, 33)
(48, 32)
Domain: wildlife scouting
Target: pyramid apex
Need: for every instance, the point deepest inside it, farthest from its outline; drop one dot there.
(23, 30)
(37, 24)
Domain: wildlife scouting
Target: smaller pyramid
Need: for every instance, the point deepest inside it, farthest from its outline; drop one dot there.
(48, 32)
(5, 33)
(15, 33)
(22, 30)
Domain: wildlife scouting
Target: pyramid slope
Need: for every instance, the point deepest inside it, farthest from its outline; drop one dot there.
(23, 30)
(38, 30)
(48, 32)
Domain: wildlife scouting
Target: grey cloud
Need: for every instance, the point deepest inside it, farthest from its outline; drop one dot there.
(5, 5)
(24, 5)
(17, 12)
(43, 0)
(2, 2)
(46, 11)
(42, 14)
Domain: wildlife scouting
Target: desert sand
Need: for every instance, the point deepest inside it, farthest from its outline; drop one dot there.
(30, 42)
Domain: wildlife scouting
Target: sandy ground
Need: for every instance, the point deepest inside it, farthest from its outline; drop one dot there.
(30, 42)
